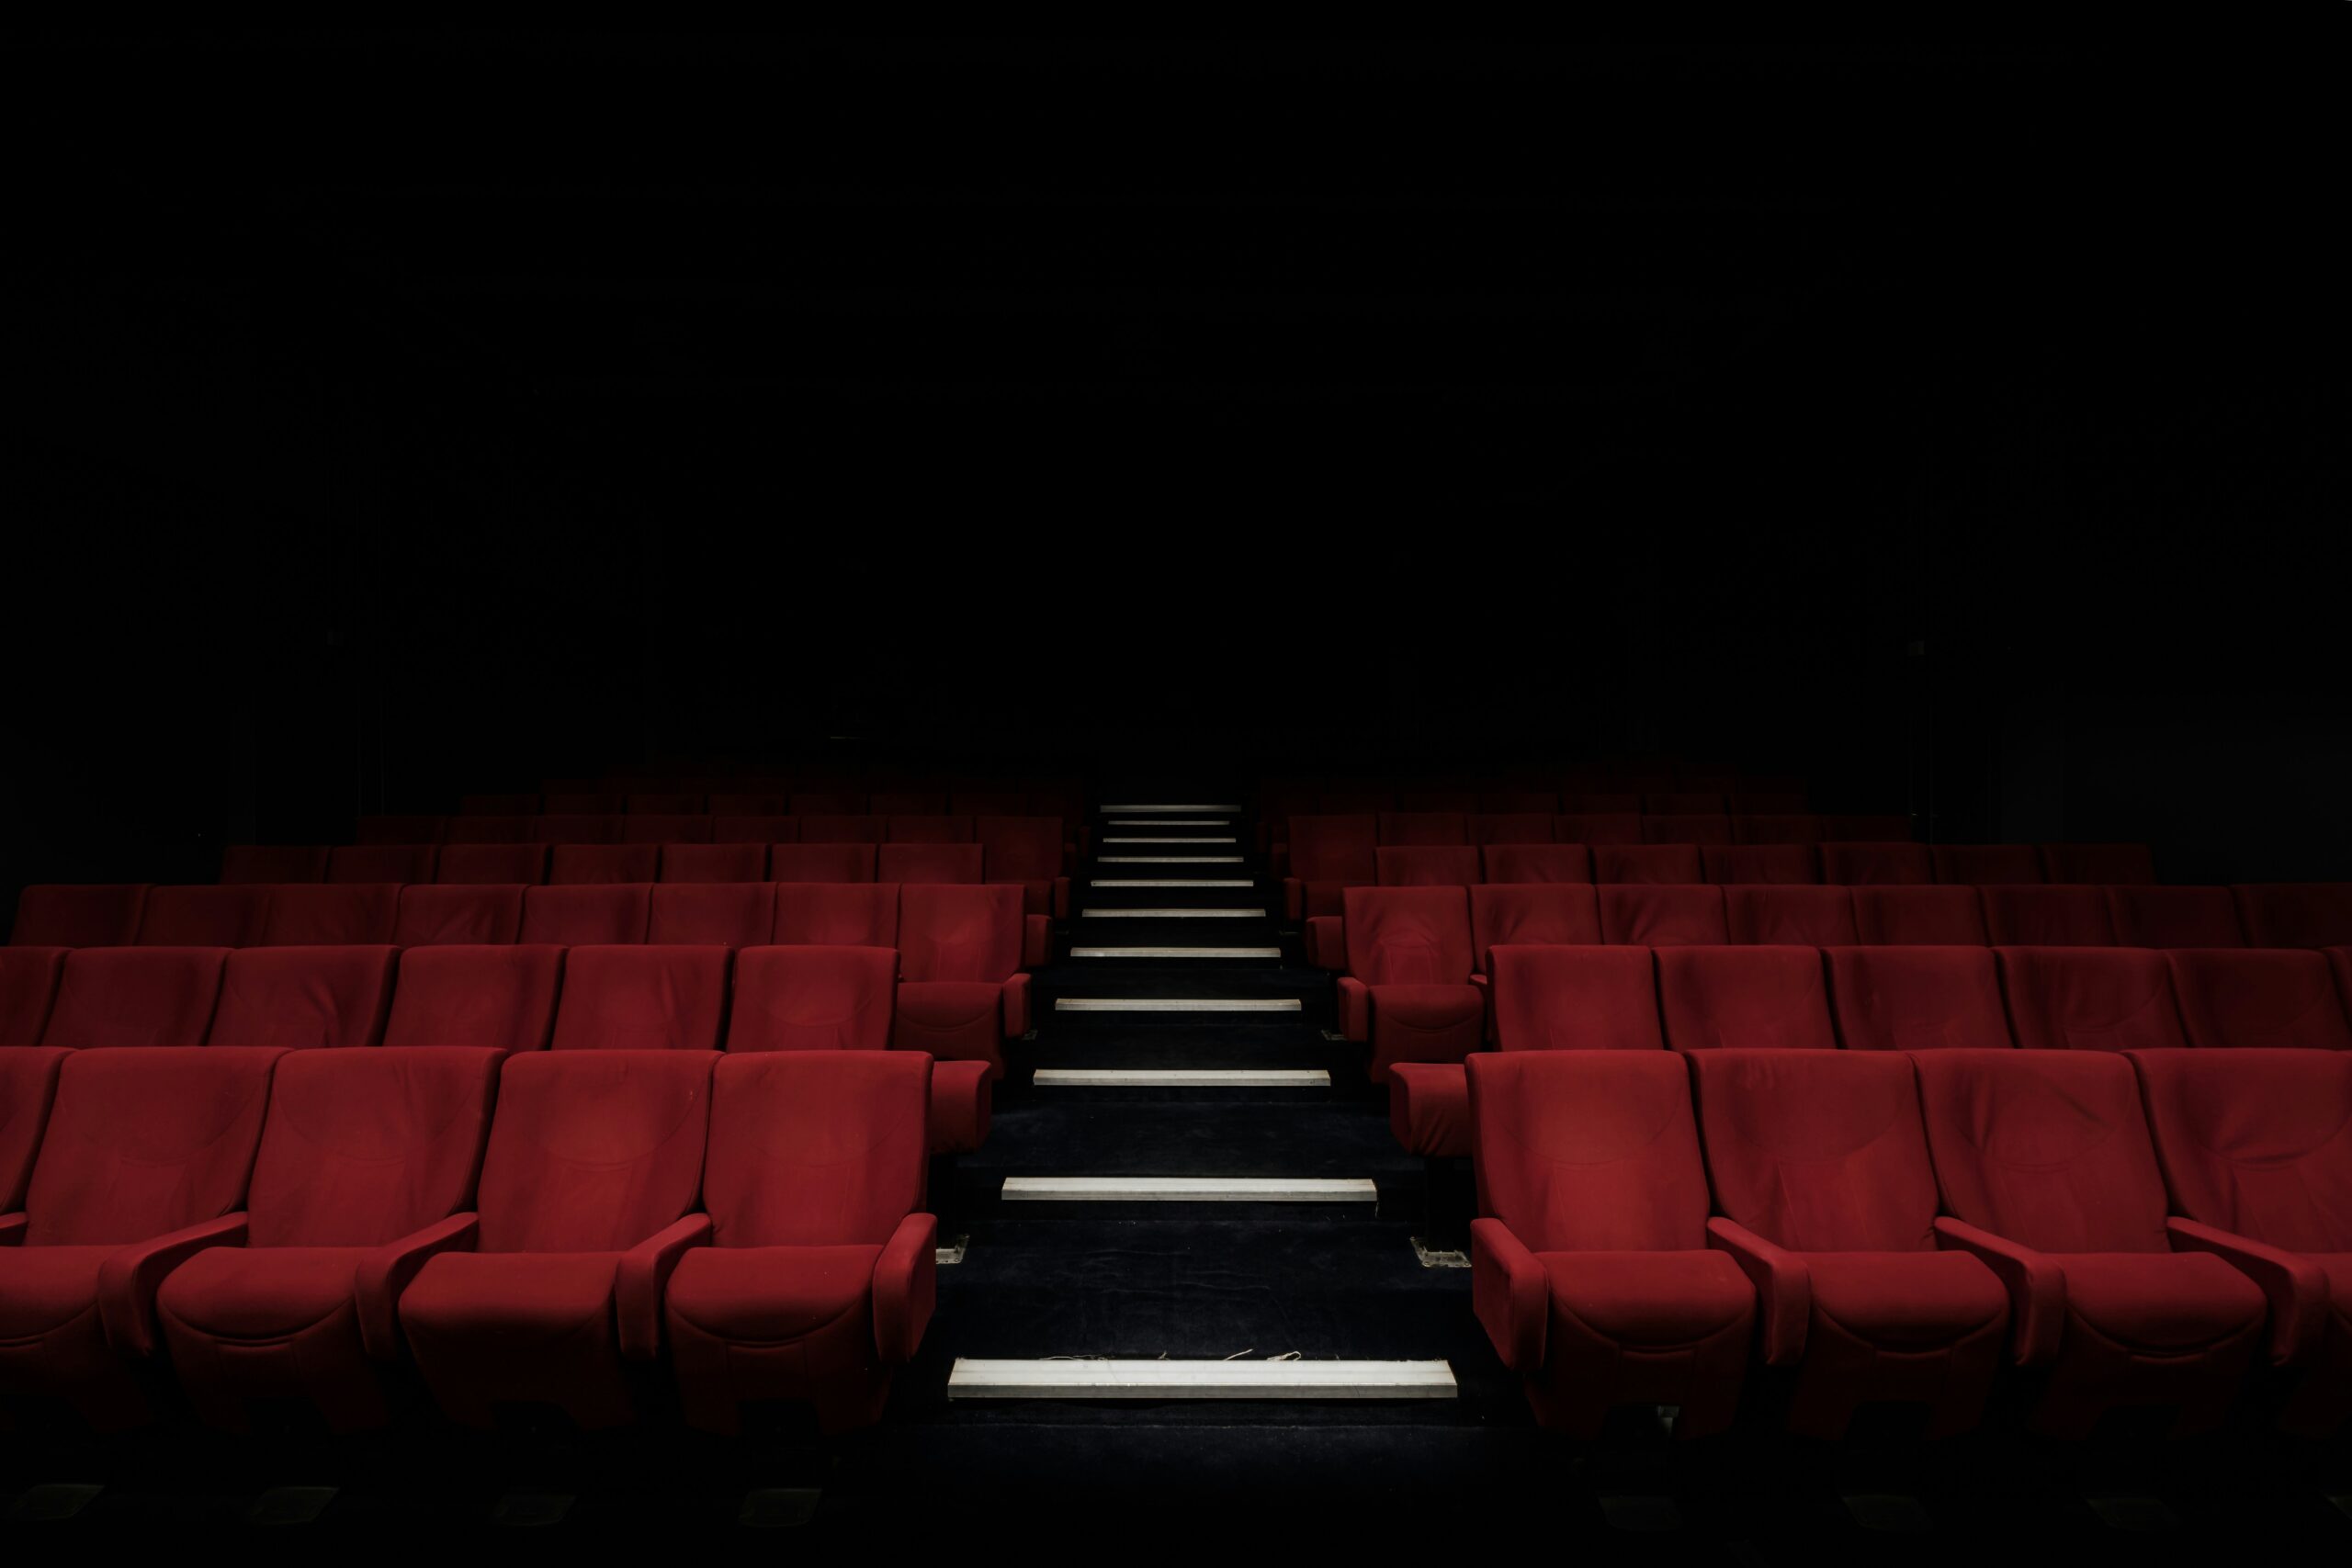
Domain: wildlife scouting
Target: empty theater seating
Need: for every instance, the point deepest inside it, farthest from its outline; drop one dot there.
(1918, 917)
(2049, 1177)
(436, 915)
(2274, 914)
(630, 998)
(27, 988)
(110, 997)
(1536, 863)
(1742, 998)
(501, 999)
(1409, 989)
(302, 997)
(1917, 999)
(2236, 998)
(961, 989)
(1328, 855)
(1591, 1269)
(1663, 916)
(2089, 998)
(1814, 916)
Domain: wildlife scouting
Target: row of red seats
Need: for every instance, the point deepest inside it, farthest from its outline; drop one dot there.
(1043, 838)
(1860, 998)
(271, 1225)
(1467, 921)
(1048, 890)
(530, 997)
(983, 916)
(1853, 864)
(1892, 1230)
(740, 798)
(1713, 790)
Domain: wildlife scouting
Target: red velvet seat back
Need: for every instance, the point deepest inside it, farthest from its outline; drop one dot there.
(754, 827)
(1918, 917)
(1587, 1150)
(2265, 996)
(440, 917)
(1334, 848)
(2258, 1143)
(1020, 848)
(1425, 827)
(2283, 914)
(690, 827)
(141, 1143)
(28, 1086)
(576, 828)
(204, 916)
(1663, 916)
(813, 999)
(1876, 865)
(381, 862)
(926, 828)
(102, 914)
(1512, 828)
(593, 1151)
(1426, 866)
(959, 934)
(2116, 866)
(354, 914)
(363, 1147)
(830, 914)
(731, 914)
(572, 865)
(933, 863)
(491, 865)
(1747, 998)
(1782, 828)
(297, 999)
(1647, 863)
(2048, 1148)
(1759, 864)
(1537, 863)
(820, 862)
(1597, 826)
(714, 863)
(1917, 999)
(502, 998)
(2035, 916)
(1811, 917)
(122, 997)
(1576, 999)
(29, 977)
(2174, 916)
(1821, 1151)
(1408, 936)
(835, 828)
(512, 828)
(1685, 827)
(1525, 914)
(640, 997)
(2089, 998)
(820, 1148)
(602, 913)
(1981, 865)
(274, 862)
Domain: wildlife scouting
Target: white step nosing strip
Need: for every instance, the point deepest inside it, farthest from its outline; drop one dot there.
(1168, 860)
(1175, 953)
(1191, 806)
(1170, 882)
(1171, 914)
(1176, 1004)
(1173, 822)
(1146, 838)
(975, 1377)
(1183, 1077)
(1190, 1190)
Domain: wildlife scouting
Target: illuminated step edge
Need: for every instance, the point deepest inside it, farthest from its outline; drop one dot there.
(1183, 1077)
(1115, 811)
(1190, 1190)
(1170, 882)
(1169, 860)
(1080, 1378)
(1176, 1004)
(1171, 914)
(1177, 822)
(1175, 953)
(1172, 839)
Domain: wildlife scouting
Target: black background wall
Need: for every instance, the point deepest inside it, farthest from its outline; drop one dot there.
(399, 413)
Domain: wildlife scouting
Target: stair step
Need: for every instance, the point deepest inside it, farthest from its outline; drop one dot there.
(1170, 882)
(1175, 822)
(1129, 810)
(1171, 914)
(1191, 1188)
(1168, 860)
(1108, 1378)
(1175, 953)
(1183, 1077)
(1178, 1004)
(1147, 839)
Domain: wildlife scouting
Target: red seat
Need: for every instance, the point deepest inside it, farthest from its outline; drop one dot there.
(820, 1271)
(204, 916)
(1776, 828)
(1748, 998)
(649, 829)
(813, 999)
(1698, 828)
(1917, 999)
(92, 915)
(515, 830)
(274, 862)
(1876, 865)
(380, 863)
(820, 862)
(747, 804)
(366, 1168)
(502, 998)
(579, 803)
(925, 828)
(1663, 917)
(2275, 914)
(2089, 998)
(836, 914)
(1328, 855)
(1759, 864)
(838, 827)
(1537, 863)
(1027, 850)
(1647, 863)
(641, 999)
(714, 863)
(2035, 916)
(730, 914)
(1811, 917)
(1426, 866)
(2049, 1177)
(470, 916)
(2236, 997)
(398, 830)
(961, 989)
(1819, 1165)
(1408, 990)
(300, 998)
(1918, 917)
(752, 827)
(1597, 828)
(907, 802)
(572, 865)
(485, 865)
(323, 914)
(2256, 1152)
(575, 827)
(120, 997)
(928, 863)
(827, 803)
(28, 1086)
(1576, 999)
(604, 913)
(1526, 913)
(2174, 916)
(28, 986)
(143, 1164)
(1512, 828)
(594, 1162)
(1978, 865)
(2115, 865)
(1590, 1269)
(1422, 828)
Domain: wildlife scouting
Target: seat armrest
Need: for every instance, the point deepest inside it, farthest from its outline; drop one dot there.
(1037, 941)
(129, 1279)
(2294, 1285)
(387, 1270)
(1509, 1294)
(2037, 1287)
(1783, 1287)
(1293, 898)
(960, 1103)
(1327, 941)
(1061, 898)
(906, 1288)
(644, 1276)
(1355, 1009)
(1016, 1006)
